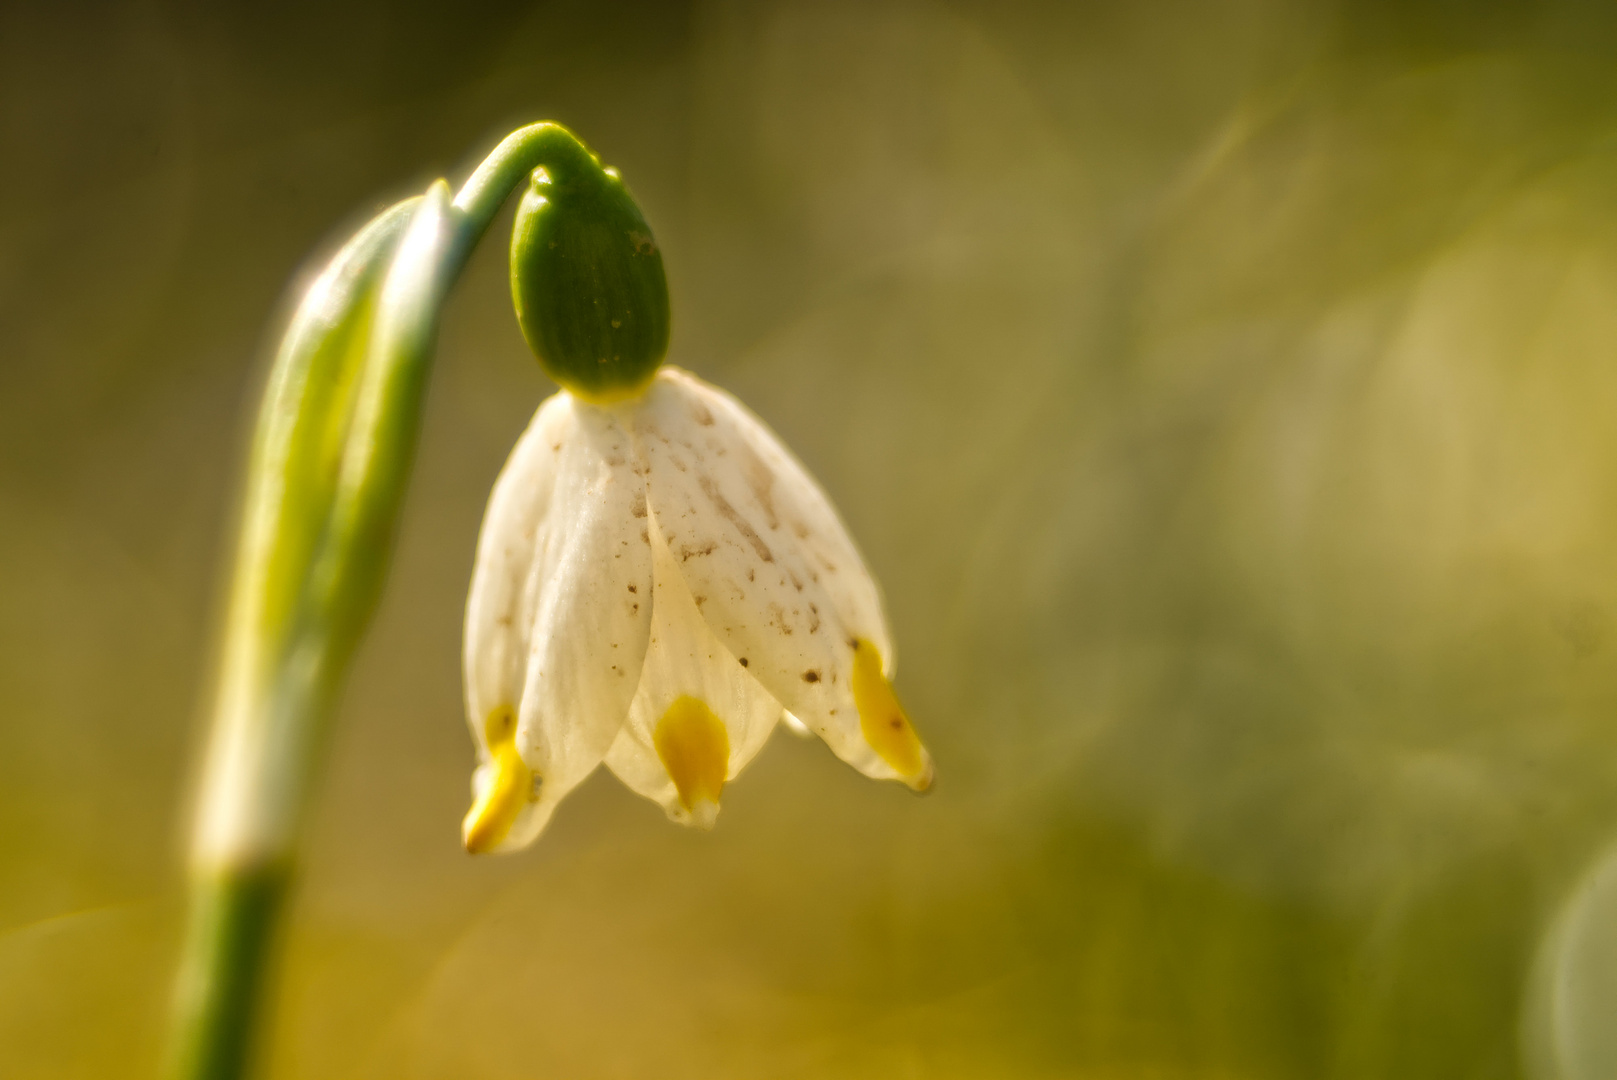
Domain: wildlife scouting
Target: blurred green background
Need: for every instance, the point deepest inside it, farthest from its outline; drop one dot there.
(1224, 392)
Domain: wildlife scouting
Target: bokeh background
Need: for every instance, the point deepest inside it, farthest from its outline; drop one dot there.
(1224, 392)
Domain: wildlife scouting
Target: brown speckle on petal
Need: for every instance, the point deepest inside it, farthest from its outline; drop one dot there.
(762, 482)
(722, 505)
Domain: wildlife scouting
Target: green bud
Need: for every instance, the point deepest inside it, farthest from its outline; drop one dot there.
(587, 279)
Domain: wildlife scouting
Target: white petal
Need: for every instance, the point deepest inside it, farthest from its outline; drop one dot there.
(499, 608)
(557, 624)
(802, 507)
(796, 726)
(773, 569)
(685, 659)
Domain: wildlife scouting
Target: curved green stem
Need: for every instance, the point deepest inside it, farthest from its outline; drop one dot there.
(331, 459)
(508, 166)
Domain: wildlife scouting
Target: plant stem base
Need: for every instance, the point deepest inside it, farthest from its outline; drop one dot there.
(225, 970)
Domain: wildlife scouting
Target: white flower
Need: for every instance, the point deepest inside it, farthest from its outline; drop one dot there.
(658, 581)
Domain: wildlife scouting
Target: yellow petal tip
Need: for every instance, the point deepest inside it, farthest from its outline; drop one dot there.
(883, 722)
(694, 748)
(503, 794)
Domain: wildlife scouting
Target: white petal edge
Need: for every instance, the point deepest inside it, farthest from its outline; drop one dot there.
(500, 603)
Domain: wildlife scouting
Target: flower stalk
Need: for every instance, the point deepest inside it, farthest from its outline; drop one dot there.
(329, 465)
(638, 495)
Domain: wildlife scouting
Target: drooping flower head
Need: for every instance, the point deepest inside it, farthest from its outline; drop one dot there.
(658, 581)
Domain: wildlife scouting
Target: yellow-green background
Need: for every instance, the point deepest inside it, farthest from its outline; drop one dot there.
(1225, 394)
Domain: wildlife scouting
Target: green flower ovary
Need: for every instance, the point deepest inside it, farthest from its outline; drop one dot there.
(587, 280)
